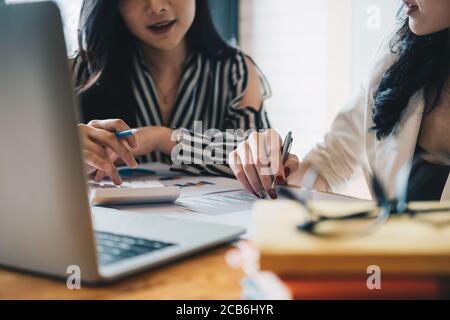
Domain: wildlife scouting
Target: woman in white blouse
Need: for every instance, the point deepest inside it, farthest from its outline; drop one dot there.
(401, 110)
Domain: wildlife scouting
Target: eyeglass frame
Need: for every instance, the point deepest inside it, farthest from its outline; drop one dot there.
(388, 208)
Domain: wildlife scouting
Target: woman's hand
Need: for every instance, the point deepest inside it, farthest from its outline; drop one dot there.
(99, 145)
(258, 161)
(149, 139)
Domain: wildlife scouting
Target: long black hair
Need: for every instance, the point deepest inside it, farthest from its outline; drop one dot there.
(423, 62)
(106, 48)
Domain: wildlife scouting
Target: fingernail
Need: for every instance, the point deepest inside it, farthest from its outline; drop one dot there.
(262, 194)
(273, 194)
(133, 162)
(287, 172)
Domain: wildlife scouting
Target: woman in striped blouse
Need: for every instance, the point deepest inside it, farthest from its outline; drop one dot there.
(159, 66)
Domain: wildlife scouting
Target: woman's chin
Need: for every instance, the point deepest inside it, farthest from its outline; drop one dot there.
(164, 45)
(420, 29)
(416, 28)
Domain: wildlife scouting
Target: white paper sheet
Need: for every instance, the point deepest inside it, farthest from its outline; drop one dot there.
(210, 199)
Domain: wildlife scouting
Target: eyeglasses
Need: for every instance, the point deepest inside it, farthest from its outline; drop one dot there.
(332, 219)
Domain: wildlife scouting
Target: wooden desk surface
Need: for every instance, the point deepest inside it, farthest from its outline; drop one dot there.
(204, 276)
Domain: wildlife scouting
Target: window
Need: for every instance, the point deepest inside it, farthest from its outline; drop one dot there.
(70, 11)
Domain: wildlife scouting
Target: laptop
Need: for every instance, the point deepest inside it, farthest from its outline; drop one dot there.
(46, 224)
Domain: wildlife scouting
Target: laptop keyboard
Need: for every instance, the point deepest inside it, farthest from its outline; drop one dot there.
(113, 248)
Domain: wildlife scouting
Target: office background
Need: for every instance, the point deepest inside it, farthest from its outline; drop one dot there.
(314, 54)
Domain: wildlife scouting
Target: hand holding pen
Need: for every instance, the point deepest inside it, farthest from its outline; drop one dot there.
(103, 138)
(262, 161)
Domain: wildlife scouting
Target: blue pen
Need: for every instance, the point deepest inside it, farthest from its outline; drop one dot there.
(125, 134)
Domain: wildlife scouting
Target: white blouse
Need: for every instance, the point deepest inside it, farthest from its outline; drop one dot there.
(350, 143)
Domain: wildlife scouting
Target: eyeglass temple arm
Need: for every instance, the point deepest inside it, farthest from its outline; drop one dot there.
(284, 191)
(292, 196)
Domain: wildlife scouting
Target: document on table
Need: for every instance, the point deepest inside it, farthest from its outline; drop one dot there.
(200, 186)
(220, 203)
(190, 186)
(205, 198)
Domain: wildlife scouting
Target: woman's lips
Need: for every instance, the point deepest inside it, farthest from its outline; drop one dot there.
(410, 8)
(162, 27)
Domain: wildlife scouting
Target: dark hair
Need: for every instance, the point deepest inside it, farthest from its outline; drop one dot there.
(423, 62)
(106, 47)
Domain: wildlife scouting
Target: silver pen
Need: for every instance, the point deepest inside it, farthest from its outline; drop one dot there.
(286, 149)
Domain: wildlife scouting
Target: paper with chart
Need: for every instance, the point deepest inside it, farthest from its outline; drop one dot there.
(220, 203)
(190, 186)
(159, 175)
(200, 186)
(205, 198)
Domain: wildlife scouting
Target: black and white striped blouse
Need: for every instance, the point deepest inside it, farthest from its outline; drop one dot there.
(210, 94)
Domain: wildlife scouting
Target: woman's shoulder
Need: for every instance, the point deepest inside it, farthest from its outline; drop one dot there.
(231, 58)
(239, 66)
(242, 78)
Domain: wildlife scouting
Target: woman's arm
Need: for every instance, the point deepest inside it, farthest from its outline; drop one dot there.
(343, 148)
(256, 93)
(245, 113)
(341, 151)
(99, 146)
(154, 138)
(335, 159)
(163, 139)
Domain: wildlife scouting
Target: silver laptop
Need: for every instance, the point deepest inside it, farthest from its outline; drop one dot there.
(46, 224)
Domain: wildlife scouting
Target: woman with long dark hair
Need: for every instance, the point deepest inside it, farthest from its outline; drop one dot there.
(401, 111)
(159, 66)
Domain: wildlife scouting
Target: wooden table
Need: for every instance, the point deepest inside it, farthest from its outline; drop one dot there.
(203, 276)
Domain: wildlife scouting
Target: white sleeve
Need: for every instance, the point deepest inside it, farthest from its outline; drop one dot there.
(343, 148)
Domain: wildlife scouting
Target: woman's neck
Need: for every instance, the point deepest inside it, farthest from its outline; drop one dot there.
(163, 63)
(166, 68)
